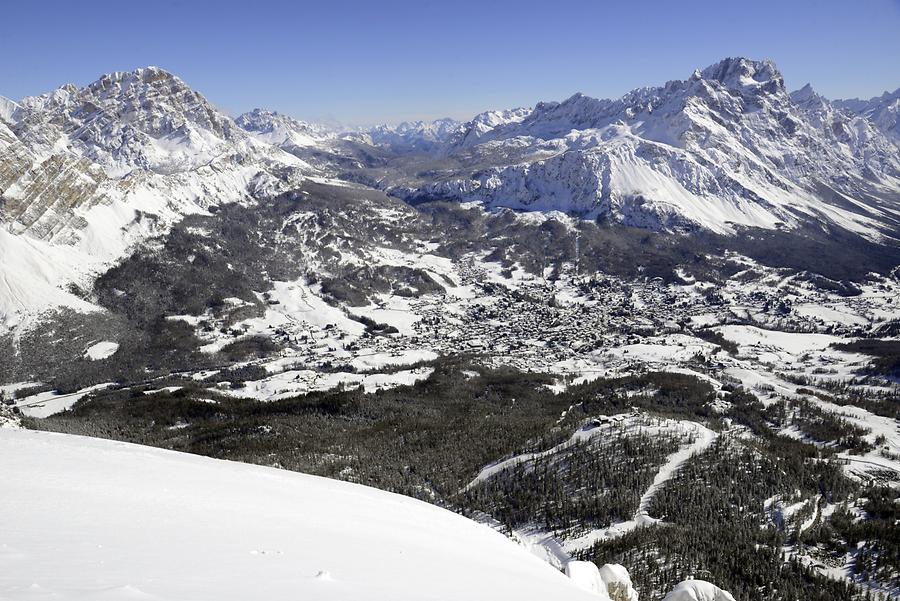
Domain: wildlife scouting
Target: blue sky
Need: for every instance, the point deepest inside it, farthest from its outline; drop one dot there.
(366, 62)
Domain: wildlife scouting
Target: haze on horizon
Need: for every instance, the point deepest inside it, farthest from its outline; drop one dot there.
(364, 63)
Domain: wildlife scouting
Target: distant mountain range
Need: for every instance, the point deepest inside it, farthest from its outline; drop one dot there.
(87, 173)
(725, 148)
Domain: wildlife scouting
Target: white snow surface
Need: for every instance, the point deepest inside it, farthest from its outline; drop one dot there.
(96, 519)
(697, 590)
(101, 350)
(618, 580)
(586, 575)
(610, 581)
(45, 404)
(293, 382)
(31, 274)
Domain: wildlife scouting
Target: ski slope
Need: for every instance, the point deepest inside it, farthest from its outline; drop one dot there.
(559, 551)
(85, 518)
(704, 438)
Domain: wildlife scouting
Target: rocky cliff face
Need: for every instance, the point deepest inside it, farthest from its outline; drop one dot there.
(146, 119)
(95, 169)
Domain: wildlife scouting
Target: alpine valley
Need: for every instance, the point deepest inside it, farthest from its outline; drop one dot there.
(660, 332)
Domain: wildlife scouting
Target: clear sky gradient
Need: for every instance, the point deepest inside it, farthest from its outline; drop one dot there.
(386, 61)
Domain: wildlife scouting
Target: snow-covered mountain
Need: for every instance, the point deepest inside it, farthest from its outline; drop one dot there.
(147, 119)
(87, 172)
(418, 135)
(471, 132)
(883, 111)
(727, 147)
(283, 131)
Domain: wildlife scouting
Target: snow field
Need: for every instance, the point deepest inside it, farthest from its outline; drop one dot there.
(95, 519)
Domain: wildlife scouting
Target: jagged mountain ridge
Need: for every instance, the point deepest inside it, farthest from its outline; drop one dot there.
(415, 134)
(146, 119)
(283, 131)
(727, 147)
(98, 169)
(883, 111)
(483, 123)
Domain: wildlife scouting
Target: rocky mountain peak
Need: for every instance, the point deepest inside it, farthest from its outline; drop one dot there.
(145, 97)
(145, 76)
(263, 120)
(805, 92)
(126, 120)
(741, 73)
(806, 97)
(281, 130)
(9, 109)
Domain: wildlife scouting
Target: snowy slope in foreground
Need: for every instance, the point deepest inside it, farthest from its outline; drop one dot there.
(94, 519)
